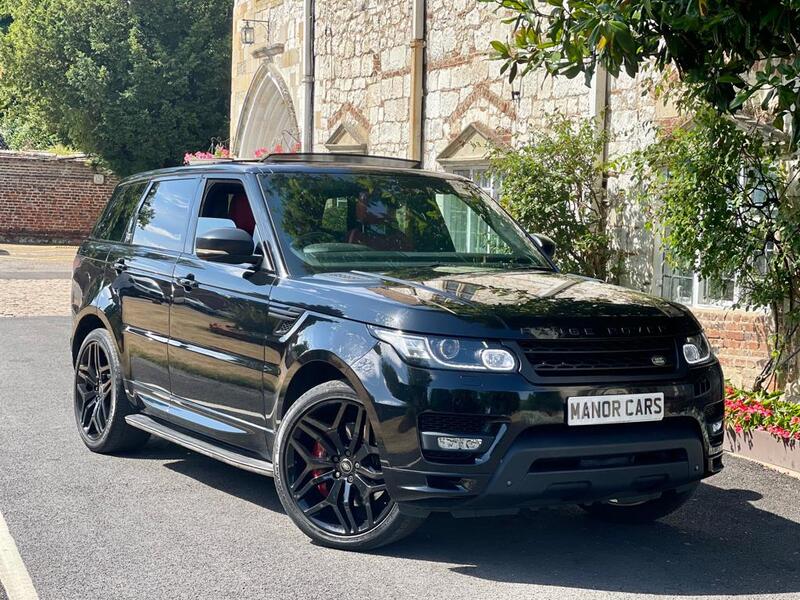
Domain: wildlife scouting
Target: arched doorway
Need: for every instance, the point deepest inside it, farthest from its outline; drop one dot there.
(267, 118)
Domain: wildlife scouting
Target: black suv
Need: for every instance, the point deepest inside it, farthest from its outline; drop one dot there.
(384, 342)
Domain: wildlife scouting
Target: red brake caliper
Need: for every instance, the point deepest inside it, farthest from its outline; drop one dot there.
(319, 452)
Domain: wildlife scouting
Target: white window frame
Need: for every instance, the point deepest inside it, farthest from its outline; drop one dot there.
(469, 169)
(698, 282)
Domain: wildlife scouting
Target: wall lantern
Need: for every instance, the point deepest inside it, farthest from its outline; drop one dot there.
(248, 31)
(248, 35)
(516, 94)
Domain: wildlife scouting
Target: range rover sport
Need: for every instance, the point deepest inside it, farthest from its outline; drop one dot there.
(385, 342)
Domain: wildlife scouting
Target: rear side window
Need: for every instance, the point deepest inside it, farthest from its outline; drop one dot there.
(116, 218)
(164, 214)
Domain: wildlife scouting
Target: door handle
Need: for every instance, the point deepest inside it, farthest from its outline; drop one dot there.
(188, 283)
(120, 266)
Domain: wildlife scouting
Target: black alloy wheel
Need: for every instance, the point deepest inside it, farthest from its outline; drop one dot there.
(334, 471)
(328, 472)
(93, 386)
(100, 401)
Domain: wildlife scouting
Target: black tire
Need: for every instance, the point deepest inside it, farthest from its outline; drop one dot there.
(326, 412)
(99, 397)
(641, 512)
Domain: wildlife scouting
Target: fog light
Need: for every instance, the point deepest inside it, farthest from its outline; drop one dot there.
(497, 359)
(458, 443)
(716, 426)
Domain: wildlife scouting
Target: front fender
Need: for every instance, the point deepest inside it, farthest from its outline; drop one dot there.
(324, 339)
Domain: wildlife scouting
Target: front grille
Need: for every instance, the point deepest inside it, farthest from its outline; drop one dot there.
(577, 357)
(454, 423)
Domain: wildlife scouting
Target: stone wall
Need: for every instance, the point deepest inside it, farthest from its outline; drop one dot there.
(46, 198)
(283, 19)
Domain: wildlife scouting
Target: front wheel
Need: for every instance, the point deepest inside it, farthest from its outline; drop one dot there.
(640, 512)
(328, 472)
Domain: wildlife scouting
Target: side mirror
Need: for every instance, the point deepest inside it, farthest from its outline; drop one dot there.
(547, 244)
(227, 245)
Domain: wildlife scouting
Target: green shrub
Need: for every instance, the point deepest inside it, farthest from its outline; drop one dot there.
(722, 198)
(554, 185)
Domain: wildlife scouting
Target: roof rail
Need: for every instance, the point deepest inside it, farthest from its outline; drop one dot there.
(342, 158)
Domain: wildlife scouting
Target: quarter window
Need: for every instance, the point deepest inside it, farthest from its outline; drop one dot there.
(116, 218)
(164, 213)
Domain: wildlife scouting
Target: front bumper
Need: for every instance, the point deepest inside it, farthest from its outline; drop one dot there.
(535, 458)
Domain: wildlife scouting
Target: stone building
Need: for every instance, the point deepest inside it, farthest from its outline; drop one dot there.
(411, 78)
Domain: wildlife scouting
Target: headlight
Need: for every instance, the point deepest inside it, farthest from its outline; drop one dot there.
(697, 350)
(447, 353)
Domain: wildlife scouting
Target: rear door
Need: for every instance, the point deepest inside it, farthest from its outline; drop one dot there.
(143, 283)
(218, 325)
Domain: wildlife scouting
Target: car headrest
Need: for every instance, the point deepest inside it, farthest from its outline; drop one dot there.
(241, 213)
(370, 211)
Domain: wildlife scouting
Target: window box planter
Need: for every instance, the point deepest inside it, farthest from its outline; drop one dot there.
(206, 161)
(218, 154)
(762, 446)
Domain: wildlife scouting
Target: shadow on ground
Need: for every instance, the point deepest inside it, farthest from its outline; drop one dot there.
(718, 544)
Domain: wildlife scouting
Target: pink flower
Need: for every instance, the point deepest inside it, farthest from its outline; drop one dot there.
(795, 421)
(738, 429)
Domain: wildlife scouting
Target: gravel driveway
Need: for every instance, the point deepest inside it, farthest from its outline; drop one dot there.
(35, 280)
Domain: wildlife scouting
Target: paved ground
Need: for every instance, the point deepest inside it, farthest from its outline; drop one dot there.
(166, 523)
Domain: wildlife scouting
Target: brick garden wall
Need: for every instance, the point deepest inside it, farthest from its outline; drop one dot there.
(47, 198)
(739, 340)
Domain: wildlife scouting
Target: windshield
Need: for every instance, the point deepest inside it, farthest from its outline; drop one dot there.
(381, 222)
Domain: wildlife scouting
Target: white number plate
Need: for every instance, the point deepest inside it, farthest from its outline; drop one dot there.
(627, 408)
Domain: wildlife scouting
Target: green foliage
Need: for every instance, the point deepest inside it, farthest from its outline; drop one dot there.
(727, 204)
(723, 50)
(552, 185)
(22, 129)
(136, 83)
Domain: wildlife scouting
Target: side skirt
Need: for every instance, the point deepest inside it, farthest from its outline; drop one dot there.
(145, 423)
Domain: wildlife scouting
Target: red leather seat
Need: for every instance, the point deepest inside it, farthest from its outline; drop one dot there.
(241, 213)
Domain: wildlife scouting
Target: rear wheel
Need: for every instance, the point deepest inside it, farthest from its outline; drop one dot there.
(617, 511)
(99, 397)
(328, 472)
